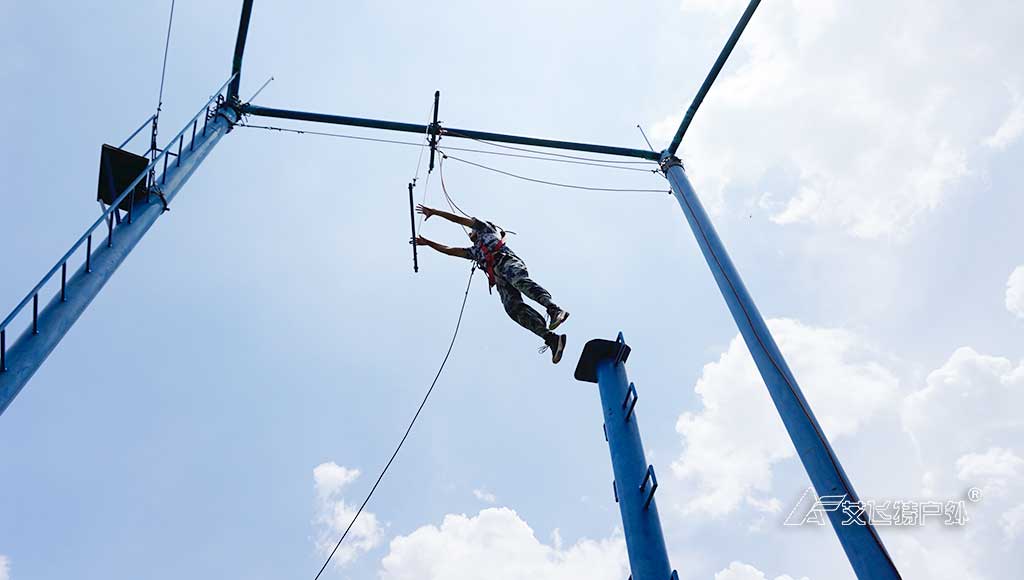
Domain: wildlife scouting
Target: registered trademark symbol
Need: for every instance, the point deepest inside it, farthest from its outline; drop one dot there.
(974, 494)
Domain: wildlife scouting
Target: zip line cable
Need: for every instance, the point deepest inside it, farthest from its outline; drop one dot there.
(454, 206)
(447, 198)
(458, 324)
(539, 152)
(155, 124)
(423, 148)
(323, 134)
(555, 183)
(606, 165)
(482, 166)
(593, 163)
(426, 183)
(163, 71)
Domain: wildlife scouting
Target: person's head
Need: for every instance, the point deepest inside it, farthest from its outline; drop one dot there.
(472, 235)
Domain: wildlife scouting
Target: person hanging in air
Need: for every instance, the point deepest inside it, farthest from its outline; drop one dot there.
(508, 272)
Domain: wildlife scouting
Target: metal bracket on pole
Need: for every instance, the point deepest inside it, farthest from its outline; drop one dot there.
(412, 240)
(631, 391)
(654, 485)
(435, 131)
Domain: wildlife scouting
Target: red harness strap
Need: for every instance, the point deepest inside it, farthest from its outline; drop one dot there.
(489, 258)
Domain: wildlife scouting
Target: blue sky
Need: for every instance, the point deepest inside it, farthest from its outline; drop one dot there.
(237, 386)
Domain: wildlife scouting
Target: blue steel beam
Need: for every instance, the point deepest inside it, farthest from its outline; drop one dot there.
(712, 75)
(28, 352)
(236, 61)
(603, 362)
(860, 541)
(447, 131)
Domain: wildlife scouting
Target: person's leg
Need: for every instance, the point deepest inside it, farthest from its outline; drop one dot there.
(517, 275)
(530, 319)
(521, 312)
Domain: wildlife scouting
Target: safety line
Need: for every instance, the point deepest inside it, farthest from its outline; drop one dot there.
(426, 183)
(408, 429)
(555, 183)
(539, 152)
(555, 160)
(163, 71)
(323, 134)
(444, 188)
(591, 163)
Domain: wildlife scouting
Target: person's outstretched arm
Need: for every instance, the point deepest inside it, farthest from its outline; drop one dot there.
(429, 211)
(457, 252)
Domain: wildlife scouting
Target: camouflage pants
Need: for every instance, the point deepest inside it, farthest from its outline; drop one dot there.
(513, 281)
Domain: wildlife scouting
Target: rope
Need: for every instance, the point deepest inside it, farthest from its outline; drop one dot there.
(323, 134)
(563, 155)
(581, 161)
(426, 183)
(163, 71)
(408, 429)
(445, 155)
(159, 107)
(454, 206)
(555, 183)
(447, 198)
(606, 165)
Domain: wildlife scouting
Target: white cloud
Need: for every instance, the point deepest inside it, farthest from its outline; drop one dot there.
(874, 130)
(938, 557)
(5, 567)
(967, 427)
(1015, 292)
(1012, 127)
(968, 404)
(330, 478)
(499, 545)
(333, 515)
(994, 471)
(484, 496)
(741, 571)
(732, 442)
(1012, 522)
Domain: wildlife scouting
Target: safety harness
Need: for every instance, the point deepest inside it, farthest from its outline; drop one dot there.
(489, 258)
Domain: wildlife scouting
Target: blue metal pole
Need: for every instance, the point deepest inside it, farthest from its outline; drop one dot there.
(709, 80)
(860, 540)
(446, 132)
(27, 353)
(236, 60)
(603, 362)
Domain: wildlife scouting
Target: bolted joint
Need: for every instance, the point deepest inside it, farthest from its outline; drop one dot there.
(231, 109)
(668, 160)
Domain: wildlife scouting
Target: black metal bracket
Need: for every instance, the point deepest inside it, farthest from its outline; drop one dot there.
(412, 223)
(654, 485)
(630, 391)
(623, 351)
(435, 131)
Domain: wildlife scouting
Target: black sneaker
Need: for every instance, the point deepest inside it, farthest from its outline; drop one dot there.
(558, 348)
(558, 316)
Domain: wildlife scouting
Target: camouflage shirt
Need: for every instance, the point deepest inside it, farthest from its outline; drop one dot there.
(488, 235)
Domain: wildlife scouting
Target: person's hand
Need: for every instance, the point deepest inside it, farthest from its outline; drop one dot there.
(421, 241)
(426, 211)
